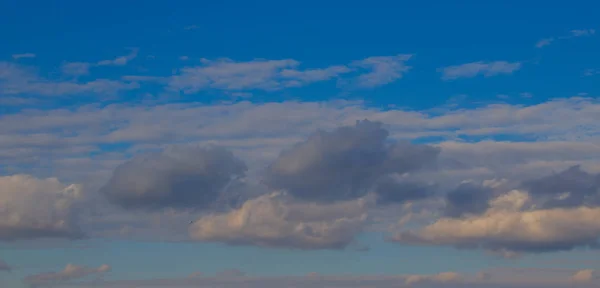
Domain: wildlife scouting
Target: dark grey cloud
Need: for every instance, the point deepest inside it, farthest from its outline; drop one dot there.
(345, 163)
(570, 188)
(179, 177)
(467, 198)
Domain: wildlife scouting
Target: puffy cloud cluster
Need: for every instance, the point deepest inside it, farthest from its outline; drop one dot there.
(38, 208)
(71, 272)
(346, 163)
(275, 220)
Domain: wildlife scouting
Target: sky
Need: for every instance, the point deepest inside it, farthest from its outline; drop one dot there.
(299, 144)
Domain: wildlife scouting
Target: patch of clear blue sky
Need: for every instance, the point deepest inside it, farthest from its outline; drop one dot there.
(318, 34)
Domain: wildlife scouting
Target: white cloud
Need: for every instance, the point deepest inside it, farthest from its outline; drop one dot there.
(572, 34)
(37, 208)
(487, 69)
(17, 80)
(274, 220)
(121, 60)
(76, 68)
(383, 69)
(71, 272)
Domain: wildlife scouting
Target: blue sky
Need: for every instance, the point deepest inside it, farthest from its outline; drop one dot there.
(108, 112)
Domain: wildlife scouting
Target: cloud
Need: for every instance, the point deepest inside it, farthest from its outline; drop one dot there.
(569, 188)
(23, 55)
(71, 272)
(121, 60)
(4, 266)
(513, 224)
(383, 69)
(572, 34)
(21, 80)
(277, 220)
(179, 177)
(444, 277)
(473, 69)
(468, 198)
(344, 163)
(544, 42)
(37, 208)
(583, 276)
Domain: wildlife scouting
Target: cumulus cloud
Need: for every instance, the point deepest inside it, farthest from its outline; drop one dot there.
(177, 177)
(71, 272)
(38, 208)
(344, 163)
(277, 220)
(512, 225)
(487, 69)
(467, 198)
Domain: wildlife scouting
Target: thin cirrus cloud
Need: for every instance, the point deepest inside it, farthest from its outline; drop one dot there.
(573, 34)
(69, 273)
(23, 55)
(473, 69)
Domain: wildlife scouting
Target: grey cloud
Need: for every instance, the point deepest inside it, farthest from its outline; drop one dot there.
(179, 177)
(569, 188)
(467, 198)
(344, 163)
(391, 190)
(487, 69)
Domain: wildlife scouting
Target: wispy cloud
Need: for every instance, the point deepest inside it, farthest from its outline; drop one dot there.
(121, 60)
(383, 70)
(71, 272)
(473, 69)
(23, 55)
(572, 34)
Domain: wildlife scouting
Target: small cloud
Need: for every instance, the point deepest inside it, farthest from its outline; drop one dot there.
(584, 32)
(71, 272)
(184, 58)
(583, 276)
(503, 96)
(196, 275)
(383, 70)
(487, 69)
(23, 55)
(120, 61)
(544, 42)
(191, 27)
(572, 34)
(591, 72)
